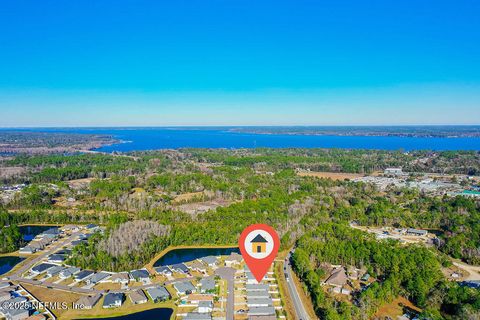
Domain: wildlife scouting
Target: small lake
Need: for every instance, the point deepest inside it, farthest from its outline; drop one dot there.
(159, 313)
(190, 254)
(8, 262)
(30, 231)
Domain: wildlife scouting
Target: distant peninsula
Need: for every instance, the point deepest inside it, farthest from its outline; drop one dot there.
(446, 131)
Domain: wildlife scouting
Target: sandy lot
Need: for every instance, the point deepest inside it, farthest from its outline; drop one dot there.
(329, 175)
(394, 308)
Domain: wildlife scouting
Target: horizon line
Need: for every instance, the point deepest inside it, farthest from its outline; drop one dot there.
(236, 126)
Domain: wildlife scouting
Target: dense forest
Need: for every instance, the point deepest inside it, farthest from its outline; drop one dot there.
(150, 200)
(413, 271)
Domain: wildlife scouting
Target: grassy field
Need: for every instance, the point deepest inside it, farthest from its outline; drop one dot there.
(49, 295)
(395, 308)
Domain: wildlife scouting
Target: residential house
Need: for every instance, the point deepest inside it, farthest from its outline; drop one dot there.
(164, 270)
(179, 267)
(13, 310)
(68, 272)
(140, 275)
(416, 232)
(261, 311)
(54, 271)
(5, 295)
(83, 275)
(257, 287)
(4, 285)
(121, 277)
(97, 278)
(198, 266)
(158, 294)
(259, 302)
(138, 297)
(197, 298)
(251, 278)
(257, 294)
(338, 277)
(233, 259)
(207, 285)
(205, 306)
(197, 316)
(56, 258)
(41, 268)
(270, 317)
(393, 171)
(210, 261)
(51, 233)
(183, 288)
(113, 300)
(87, 302)
(365, 277)
(26, 250)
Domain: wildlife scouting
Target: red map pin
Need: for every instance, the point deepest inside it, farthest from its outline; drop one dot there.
(259, 245)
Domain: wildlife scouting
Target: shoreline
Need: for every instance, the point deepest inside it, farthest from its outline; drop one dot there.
(150, 265)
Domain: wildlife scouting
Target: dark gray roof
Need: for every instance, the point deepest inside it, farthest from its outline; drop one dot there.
(257, 287)
(197, 316)
(184, 286)
(139, 274)
(257, 294)
(418, 231)
(56, 257)
(262, 301)
(158, 293)
(53, 231)
(97, 277)
(180, 267)
(53, 271)
(207, 283)
(111, 298)
(163, 269)
(89, 301)
(42, 267)
(209, 259)
(261, 311)
(83, 274)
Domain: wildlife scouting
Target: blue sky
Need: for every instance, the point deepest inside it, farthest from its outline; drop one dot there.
(229, 62)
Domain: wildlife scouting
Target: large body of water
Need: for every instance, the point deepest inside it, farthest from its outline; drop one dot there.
(174, 138)
(190, 254)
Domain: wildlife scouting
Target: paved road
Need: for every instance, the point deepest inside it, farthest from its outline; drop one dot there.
(300, 312)
(229, 275)
(30, 263)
